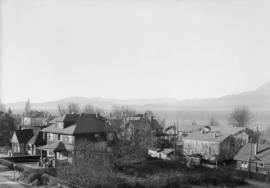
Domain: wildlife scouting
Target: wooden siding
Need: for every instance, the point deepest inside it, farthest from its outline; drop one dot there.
(224, 150)
(208, 150)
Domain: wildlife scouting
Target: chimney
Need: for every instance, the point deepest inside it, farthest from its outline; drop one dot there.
(110, 114)
(215, 135)
(97, 115)
(255, 148)
(145, 115)
(202, 131)
(151, 119)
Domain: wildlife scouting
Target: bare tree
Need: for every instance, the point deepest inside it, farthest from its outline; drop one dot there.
(9, 111)
(118, 111)
(73, 108)
(89, 109)
(240, 116)
(213, 122)
(2, 107)
(61, 109)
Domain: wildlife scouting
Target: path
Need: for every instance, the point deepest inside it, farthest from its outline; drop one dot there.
(7, 178)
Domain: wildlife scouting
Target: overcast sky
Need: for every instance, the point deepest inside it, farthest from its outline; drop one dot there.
(132, 49)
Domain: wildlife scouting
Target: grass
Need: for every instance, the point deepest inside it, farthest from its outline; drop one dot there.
(160, 174)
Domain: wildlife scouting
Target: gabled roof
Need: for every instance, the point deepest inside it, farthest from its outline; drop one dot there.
(23, 136)
(57, 147)
(54, 129)
(143, 122)
(67, 118)
(36, 139)
(229, 129)
(116, 124)
(209, 136)
(90, 123)
(248, 151)
(5, 115)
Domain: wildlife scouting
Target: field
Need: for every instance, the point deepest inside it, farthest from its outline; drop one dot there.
(260, 118)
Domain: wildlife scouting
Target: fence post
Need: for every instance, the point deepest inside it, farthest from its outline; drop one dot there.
(14, 166)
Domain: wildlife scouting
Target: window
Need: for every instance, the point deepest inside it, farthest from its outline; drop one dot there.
(244, 164)
(50, 136)
(69, 139)
(260, 165)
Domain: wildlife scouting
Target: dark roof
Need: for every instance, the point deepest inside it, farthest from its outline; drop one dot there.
(37, 139)
(116, 124)
(248, 151)
(90, 123)
(24, 135)
(5, 115)
(67, 118)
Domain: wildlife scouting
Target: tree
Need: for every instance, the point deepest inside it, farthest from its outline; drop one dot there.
(73, 108)
(89, 109)
(118, 111)
(61, 109)
(2, 107)
(240, 116)
(27, 109)
(9, 111)
(213, 122)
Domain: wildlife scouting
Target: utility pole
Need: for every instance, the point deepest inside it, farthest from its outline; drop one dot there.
(175, 137)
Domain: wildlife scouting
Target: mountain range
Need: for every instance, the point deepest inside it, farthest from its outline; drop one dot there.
(258, 99)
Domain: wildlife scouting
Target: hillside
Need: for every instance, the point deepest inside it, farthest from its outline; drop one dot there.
(258, 99)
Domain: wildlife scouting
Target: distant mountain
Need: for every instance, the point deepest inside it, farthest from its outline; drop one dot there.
(258, 99)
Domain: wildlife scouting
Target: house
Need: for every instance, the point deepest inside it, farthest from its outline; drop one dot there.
(35, 120)
(242, 134)
(36, 141)
(116, 124)
(59, 138)
(133, 126)
(20, 140)
(154, 152)
(7, 127)
(71, 132)
(254, 158)
(165, 154)
(211, 145)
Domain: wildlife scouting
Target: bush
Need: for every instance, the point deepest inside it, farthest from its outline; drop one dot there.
(37, 176)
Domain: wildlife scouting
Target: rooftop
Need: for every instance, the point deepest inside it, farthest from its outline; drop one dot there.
(247, 152)
(207, 136)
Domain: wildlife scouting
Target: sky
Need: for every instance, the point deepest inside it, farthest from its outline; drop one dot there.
(128, 49)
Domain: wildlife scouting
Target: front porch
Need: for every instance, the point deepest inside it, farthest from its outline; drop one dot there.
(57, 154)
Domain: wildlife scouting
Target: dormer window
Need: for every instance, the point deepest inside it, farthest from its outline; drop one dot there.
(60, 125)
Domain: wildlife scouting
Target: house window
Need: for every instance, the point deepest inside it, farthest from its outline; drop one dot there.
(260, 165)
(70, 139)
(50, 135)
(244, 164)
